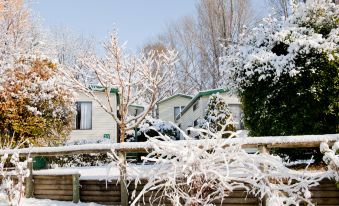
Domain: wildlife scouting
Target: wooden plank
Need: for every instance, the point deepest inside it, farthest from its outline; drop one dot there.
(101, 193)
(55, 197)
(270, 141)
(76, 188)
(123, 178)
(52, 187)
(29, 180)
(99, 187)
(326, 201)
(232, 200)
(325, 194)
(98, 182)
(53, 181)
(53, 177)
(100, 198)
(53, 192)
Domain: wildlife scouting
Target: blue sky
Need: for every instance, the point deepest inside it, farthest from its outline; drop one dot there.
(137, 21)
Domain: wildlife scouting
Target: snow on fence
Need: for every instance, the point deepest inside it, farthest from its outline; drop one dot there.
(301, 141)
(33, 185)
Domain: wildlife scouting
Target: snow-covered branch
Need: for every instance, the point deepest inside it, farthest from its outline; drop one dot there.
(137, 78)
(199, 174)
(331, 158)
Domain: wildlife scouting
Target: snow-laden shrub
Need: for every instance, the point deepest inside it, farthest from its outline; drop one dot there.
(151, 127)
(81, 160)
(331, 158)
(286, 72)
(12, 187)
(35, 104)
(199, 172)
(216, 115)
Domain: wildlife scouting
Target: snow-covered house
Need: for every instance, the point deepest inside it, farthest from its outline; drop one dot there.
(168, 109)
(91, 121)
(196, 108)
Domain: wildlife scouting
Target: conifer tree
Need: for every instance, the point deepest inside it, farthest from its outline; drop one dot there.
(217, 115)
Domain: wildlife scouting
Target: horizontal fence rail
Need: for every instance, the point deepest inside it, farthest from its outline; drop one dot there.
(74, 192)
(302, 141)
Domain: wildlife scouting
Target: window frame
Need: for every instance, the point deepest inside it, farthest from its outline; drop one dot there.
(181, 108)
(78, 117)
(195, 106)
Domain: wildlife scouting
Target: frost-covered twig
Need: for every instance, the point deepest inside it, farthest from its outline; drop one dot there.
(12, 187)
(331, 158)
(200, 174)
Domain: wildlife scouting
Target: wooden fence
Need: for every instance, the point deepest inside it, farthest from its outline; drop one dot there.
(96, 191)
(108, 193)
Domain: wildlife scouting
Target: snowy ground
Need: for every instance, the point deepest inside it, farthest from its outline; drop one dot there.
(37, 202)
(98, 173)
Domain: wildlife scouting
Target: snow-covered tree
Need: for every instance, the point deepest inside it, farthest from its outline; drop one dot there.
(200, 172)
(217, 114)
(137, 78)
(34, 102)
(21, 34)
(287, 72)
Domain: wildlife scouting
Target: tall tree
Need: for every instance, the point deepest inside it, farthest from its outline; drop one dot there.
(33, 100)
(287, 72)
(199, 40)
(137, 78)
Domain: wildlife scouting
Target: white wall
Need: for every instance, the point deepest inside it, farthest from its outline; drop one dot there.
(187, 119)
(166, 109)
(102, 122)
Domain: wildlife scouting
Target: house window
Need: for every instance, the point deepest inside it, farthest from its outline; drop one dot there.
(83, 119)
(195, 123)
(195, 106)
(177, 111)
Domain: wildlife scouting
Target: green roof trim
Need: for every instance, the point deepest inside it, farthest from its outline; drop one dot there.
(137, 106)
(174, 96)
(103, 89)
(198, 96)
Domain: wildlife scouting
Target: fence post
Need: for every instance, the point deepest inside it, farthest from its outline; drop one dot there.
(263, 150)
(76, 187)
(29, 179)
(123, 178)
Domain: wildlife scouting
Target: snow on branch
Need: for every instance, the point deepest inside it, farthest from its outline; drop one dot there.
(199, 174)
(136, 77)
(331, 158)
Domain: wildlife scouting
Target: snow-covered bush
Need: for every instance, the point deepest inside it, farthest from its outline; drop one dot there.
(217, 114)
(81, 160)
(35, 104)
(286, 72)
(151, 127)
(331, 158)
(198, 172)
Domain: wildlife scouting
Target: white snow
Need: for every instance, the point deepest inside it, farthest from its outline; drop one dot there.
(40, 202)
(99, 172)
(249, 141)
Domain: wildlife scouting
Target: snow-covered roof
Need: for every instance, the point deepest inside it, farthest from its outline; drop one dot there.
(174, 96)
(197, 97)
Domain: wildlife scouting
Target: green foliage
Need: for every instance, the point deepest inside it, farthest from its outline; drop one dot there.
(35, 106)
(218, 115)
(305, 99)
